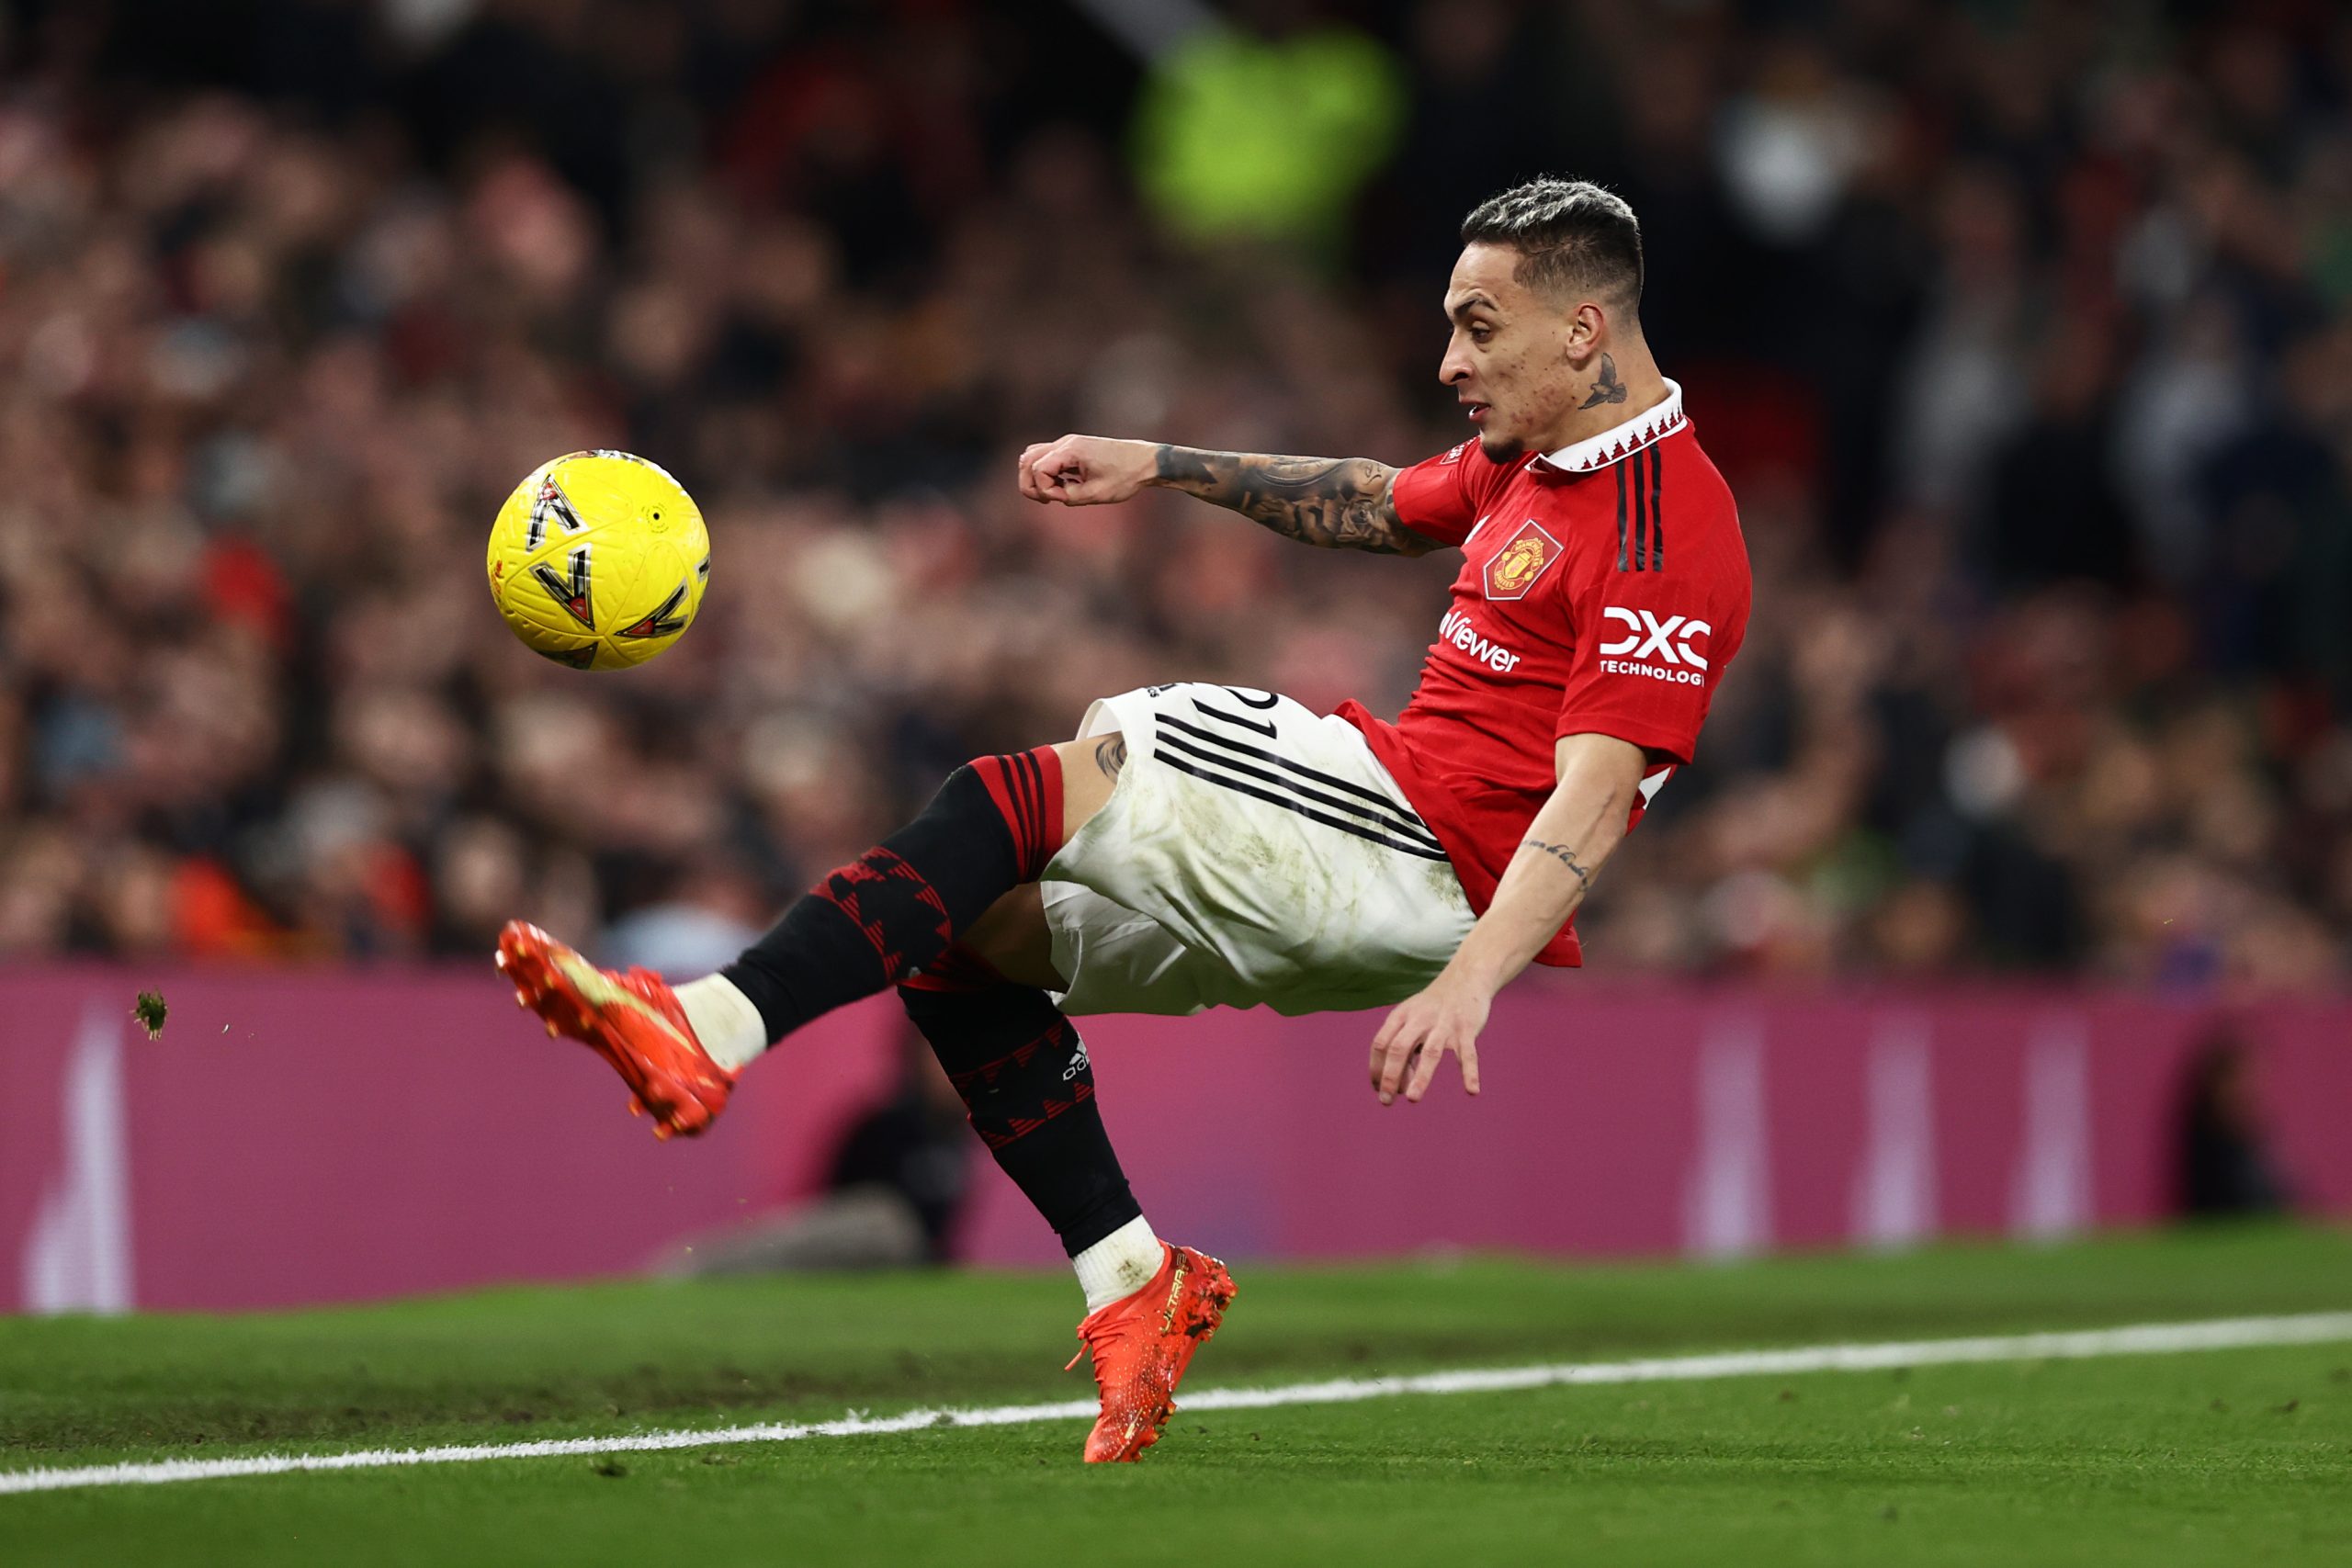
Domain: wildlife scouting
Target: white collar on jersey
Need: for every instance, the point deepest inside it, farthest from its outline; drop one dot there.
(1661, 419)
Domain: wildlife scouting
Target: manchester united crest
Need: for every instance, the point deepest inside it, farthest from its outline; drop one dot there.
(1512, 569)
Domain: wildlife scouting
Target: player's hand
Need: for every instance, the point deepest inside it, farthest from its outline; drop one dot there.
(1087, 470)
(1421, 1030)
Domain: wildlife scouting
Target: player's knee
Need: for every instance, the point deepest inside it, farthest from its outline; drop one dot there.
(1015, 940)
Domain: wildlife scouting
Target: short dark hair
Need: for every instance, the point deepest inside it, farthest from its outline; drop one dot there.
(1571, 235)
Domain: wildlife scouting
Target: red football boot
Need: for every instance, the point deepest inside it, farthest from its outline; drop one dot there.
(1142, 1343)
(633, 1021)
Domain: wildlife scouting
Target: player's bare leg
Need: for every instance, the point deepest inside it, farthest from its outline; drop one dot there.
(1014, 939)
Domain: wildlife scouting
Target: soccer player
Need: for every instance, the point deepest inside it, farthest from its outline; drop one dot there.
(1202, 845)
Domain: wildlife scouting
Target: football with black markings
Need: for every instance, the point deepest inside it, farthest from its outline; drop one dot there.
(599, 560)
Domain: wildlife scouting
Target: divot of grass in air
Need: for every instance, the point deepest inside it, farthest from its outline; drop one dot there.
(148, 1009)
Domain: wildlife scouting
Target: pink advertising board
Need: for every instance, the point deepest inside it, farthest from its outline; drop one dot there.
(314, 1136)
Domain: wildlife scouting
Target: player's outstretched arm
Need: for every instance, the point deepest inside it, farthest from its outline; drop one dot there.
(1577, 830)
(1337, 503)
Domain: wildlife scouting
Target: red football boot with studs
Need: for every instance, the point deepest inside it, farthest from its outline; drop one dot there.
(1141, 1346)
(633, 1021)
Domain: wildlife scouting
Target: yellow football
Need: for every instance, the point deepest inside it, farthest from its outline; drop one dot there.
(598, 561)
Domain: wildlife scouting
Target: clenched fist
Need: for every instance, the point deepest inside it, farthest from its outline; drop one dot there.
(1087, 470)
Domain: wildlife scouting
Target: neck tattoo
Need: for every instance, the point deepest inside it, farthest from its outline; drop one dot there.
(1608, 389)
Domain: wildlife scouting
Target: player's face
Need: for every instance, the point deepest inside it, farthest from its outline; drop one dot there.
(1510, 359)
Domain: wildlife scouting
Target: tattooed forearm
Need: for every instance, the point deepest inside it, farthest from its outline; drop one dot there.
(1337, 503)
(1111, 755)
(1566, 857)
(1606, 388)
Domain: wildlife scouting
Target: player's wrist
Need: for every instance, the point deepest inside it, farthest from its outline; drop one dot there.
(1151, 463)
(1473, 974)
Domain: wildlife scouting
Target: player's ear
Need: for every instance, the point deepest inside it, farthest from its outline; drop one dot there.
(1580, 339)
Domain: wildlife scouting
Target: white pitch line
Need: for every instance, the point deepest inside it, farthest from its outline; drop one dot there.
(2140, 1339)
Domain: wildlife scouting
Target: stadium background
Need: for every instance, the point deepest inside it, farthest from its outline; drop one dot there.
(2021, 330)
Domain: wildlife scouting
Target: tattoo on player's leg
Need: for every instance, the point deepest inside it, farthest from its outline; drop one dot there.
(1111, 755)
(1566, 856)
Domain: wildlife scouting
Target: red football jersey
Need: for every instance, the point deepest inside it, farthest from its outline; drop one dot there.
(1604, 589)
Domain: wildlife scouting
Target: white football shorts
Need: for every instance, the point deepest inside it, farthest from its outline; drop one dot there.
(1250, 852)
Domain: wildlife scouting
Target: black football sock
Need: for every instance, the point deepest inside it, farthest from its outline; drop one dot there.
(992, 826)
(1024, 1074)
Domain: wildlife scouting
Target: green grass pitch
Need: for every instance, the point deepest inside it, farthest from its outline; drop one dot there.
(2237, 1456)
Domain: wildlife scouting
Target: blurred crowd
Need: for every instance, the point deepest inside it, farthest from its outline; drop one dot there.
(2023, 331)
